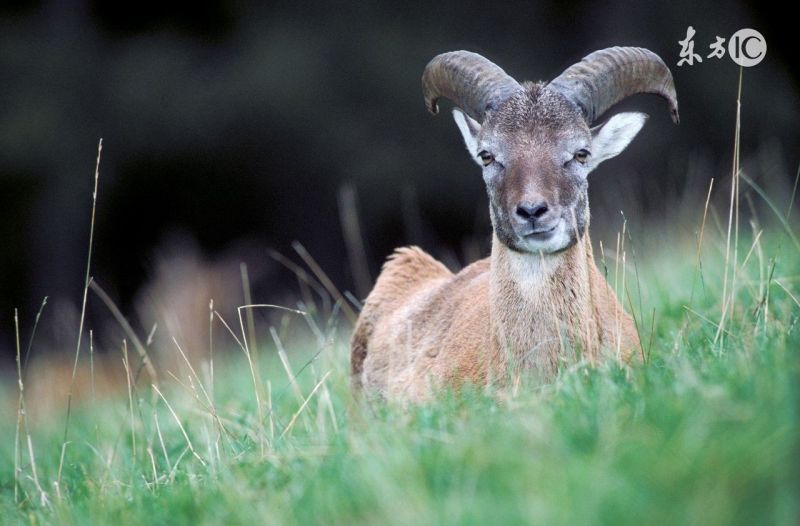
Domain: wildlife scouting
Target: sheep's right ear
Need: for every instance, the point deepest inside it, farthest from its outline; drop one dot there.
(470, 128)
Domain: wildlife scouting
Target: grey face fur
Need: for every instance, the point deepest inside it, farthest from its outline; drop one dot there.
(536, 151)
(534, 141)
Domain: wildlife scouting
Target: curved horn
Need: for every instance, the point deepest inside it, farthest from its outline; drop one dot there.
(605, 77)
(473, 83)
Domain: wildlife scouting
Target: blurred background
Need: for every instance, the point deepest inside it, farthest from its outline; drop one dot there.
(233, 129)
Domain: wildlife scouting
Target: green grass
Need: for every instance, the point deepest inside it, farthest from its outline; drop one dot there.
(703, 433)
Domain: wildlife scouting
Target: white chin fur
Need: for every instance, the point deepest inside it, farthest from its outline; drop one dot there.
(557, 241)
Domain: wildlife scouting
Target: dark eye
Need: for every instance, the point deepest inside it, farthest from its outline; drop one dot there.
(486, 157)
(582, 156)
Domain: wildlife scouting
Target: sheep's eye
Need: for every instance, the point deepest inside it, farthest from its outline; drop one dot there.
(486, 157)
(582, 156)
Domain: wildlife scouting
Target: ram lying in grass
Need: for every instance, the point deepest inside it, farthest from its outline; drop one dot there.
(705, 430)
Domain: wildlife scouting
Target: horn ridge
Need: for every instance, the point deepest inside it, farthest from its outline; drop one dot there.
(472, 82)
(605, 77)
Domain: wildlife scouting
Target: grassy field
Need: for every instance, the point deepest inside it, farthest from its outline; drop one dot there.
(705, 432)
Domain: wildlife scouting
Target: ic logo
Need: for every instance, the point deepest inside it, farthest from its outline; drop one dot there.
(747, 47)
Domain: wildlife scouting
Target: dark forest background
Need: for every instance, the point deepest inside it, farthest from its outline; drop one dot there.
(230, 129)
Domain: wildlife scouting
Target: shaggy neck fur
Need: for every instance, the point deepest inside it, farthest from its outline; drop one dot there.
(541, 305)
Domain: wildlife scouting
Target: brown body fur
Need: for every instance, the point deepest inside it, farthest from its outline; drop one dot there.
(422, 327)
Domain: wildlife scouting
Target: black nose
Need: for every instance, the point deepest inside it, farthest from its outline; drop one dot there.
(532, 212)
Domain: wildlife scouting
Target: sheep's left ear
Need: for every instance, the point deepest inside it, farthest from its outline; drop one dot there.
(610, 138)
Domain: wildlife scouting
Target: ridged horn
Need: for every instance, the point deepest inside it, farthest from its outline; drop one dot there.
(607, 76)
(473, 83)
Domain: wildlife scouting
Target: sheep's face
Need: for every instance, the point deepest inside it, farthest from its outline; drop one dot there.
(536, 152)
